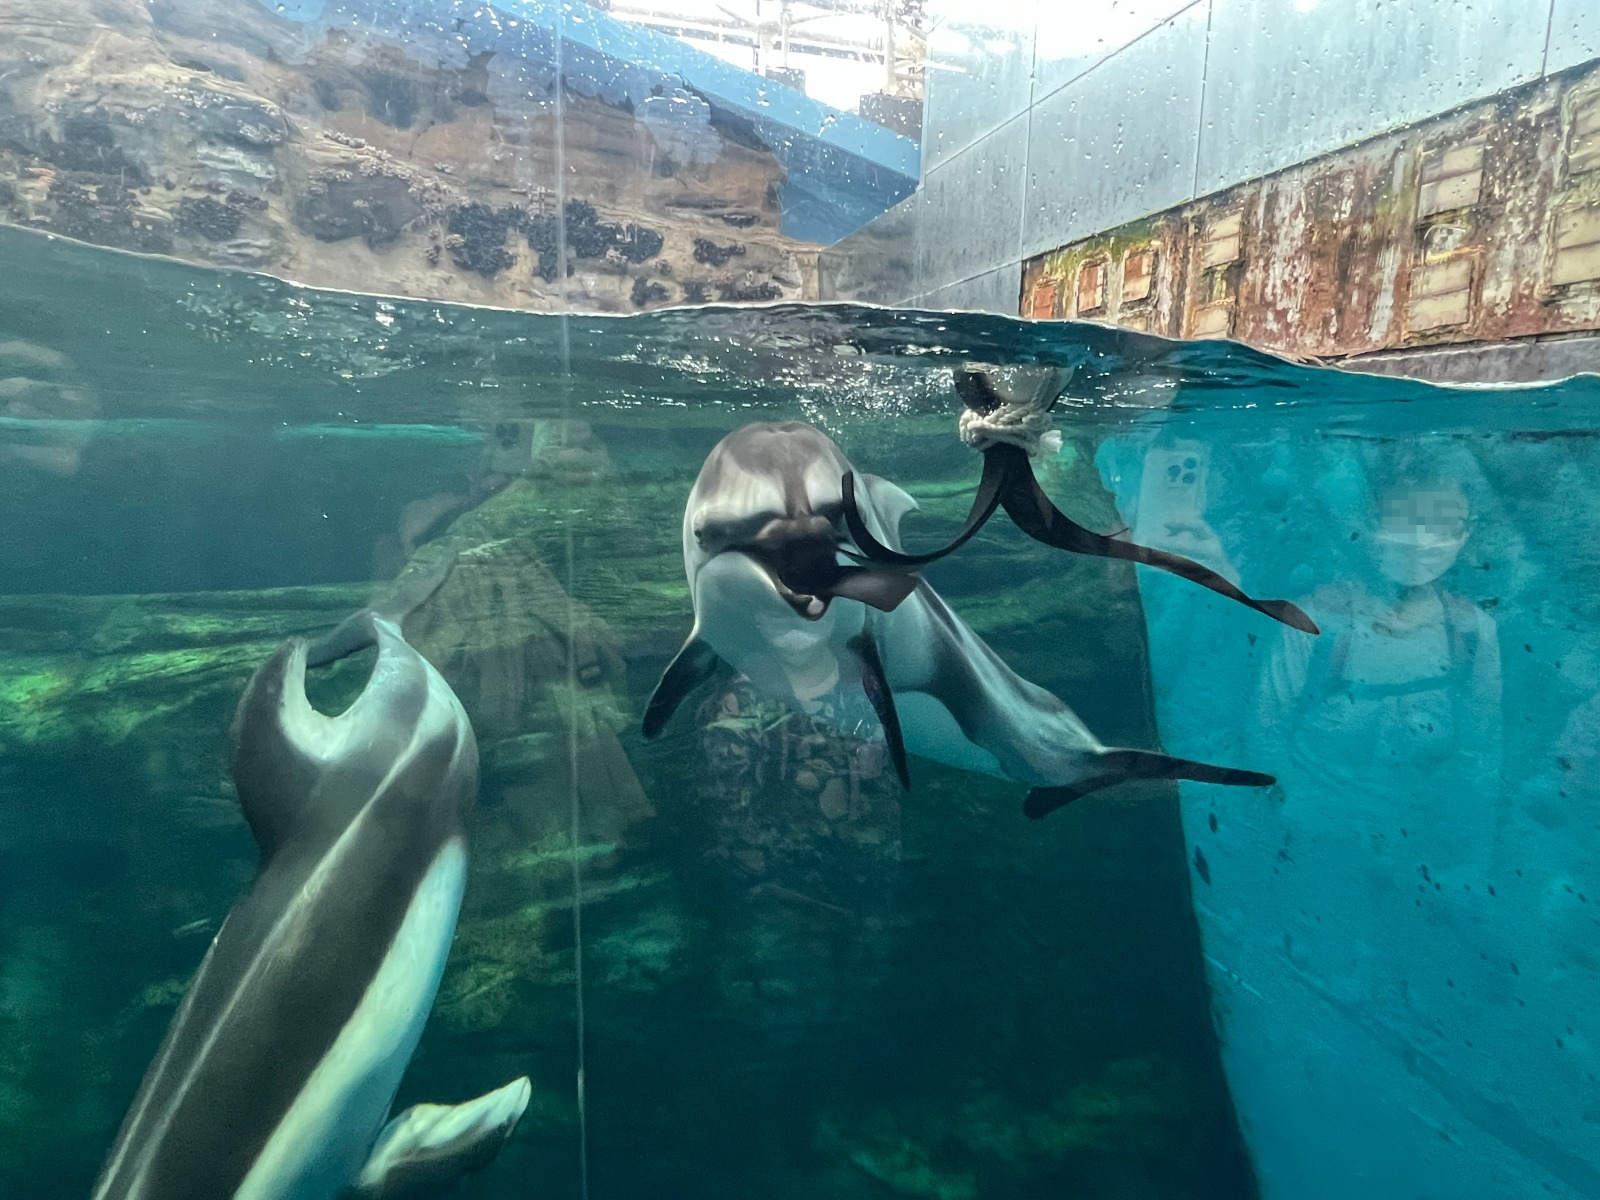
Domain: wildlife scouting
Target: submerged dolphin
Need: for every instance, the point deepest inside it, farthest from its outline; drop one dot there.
(763, 536)
(281, 1064)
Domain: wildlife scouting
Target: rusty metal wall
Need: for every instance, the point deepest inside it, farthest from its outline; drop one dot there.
(1482, 225)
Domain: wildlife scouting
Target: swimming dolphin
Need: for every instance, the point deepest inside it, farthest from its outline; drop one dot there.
(763, 538)
(279, 1069)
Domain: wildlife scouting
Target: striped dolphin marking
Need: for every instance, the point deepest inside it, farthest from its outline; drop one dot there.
(767, 549)
(283, 1060)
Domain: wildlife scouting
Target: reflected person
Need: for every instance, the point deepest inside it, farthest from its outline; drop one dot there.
(1399, 702)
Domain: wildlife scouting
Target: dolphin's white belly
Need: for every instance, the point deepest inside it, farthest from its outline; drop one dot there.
(319, 1147)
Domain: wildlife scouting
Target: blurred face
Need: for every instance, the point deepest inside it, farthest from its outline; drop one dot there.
(1420, 533)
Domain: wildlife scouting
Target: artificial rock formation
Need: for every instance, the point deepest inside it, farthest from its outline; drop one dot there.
(218, 132)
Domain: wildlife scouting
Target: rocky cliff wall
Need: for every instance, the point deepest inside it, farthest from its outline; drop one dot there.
(216, 132)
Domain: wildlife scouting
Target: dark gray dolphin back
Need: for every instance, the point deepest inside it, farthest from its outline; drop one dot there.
(349, 813)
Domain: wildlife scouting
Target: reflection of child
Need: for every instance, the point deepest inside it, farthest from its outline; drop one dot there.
(1351, 923)
(1403, 689)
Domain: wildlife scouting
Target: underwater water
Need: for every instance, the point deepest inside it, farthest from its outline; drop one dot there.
(777, 971)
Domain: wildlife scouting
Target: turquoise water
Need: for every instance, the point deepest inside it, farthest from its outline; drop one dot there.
(787, 975)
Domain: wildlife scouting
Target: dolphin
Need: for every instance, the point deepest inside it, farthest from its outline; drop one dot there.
(282, 1062)
(768, 554)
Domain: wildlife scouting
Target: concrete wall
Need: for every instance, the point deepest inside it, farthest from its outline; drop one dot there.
(1046, 124)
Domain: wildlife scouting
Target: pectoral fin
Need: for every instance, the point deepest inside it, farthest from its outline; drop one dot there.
(876, 685)
(430, 1146)
(694, 664)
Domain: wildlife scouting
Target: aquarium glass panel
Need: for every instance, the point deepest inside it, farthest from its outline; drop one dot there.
(561, 637)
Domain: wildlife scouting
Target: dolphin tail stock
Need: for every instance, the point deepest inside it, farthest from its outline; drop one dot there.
(430, 1147)
(694, 664)
(1120, 766)
(355, 633)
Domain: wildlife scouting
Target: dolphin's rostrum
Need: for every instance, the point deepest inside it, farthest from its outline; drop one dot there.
(278, 1071)
(767, 549)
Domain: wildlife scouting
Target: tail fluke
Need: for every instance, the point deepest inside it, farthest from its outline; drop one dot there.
(355, 633)
(1120, 766)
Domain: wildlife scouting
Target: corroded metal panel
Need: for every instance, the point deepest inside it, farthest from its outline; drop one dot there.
(1479, 225)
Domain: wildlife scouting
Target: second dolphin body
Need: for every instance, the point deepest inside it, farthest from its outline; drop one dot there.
(278, 1071)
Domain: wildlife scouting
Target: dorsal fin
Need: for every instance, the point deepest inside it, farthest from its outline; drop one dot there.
(405, 595)
(273, 776)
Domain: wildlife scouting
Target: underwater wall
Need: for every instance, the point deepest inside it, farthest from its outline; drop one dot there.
(1400, 942)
